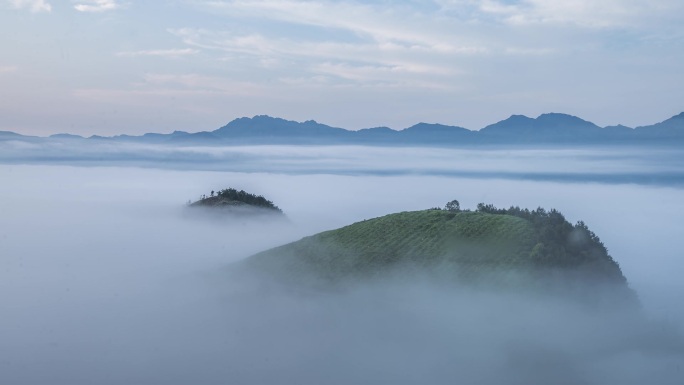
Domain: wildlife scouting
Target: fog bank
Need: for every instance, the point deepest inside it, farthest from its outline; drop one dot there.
(103, 280)
(616, 165)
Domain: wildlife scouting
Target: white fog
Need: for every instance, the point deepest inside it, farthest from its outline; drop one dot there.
(103, 277)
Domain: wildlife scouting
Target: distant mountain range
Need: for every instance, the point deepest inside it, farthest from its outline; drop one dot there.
(551, 128)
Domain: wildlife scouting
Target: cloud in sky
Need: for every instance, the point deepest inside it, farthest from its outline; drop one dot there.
(176, 52)
(96, 5)
(7, 69)
(580, 13)
(364, 63)
(32, 5)
(374, 22)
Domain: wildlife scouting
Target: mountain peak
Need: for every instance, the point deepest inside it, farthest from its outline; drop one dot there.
(518, 117)
(672, 126)
(66, 136)
(277, 129)
(560, 117)
(432, 127)
(559, 120)
(557, 115)
(265, 118)
(510, 123)
(678, 117)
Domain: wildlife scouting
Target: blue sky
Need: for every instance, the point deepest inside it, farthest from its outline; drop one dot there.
(109, 67)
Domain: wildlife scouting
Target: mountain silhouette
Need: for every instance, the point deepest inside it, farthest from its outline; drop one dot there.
(546, 129)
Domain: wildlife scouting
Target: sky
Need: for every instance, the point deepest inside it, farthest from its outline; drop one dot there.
(128, 67)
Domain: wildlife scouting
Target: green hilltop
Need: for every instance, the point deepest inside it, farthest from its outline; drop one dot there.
(231, 198)
(512, 246)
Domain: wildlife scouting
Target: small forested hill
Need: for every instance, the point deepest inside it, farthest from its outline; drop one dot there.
(232, 198)
(510, 246)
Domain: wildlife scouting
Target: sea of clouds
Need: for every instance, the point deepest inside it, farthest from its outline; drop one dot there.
(103, 272)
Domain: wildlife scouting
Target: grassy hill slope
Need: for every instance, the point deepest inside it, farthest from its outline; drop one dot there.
(420, 238)
(537, 249)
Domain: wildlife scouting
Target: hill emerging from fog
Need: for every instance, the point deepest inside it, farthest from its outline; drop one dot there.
(495, 247)
(231, 200)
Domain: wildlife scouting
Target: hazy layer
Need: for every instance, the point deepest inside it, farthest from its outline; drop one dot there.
(639, 165)
(102, 280)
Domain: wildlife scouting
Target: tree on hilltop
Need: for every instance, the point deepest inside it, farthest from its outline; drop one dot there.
(453, 206)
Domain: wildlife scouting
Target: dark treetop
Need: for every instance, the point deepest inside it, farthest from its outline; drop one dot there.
(231, 197)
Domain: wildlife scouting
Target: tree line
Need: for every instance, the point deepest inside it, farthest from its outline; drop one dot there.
(559, 243)
(244, 197)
